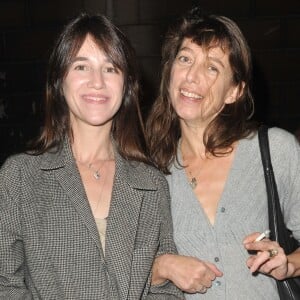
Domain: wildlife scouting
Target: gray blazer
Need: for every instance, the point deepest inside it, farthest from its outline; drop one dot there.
(50, 247)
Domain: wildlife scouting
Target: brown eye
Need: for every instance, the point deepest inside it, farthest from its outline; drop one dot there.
(213, 69)
(111, 70)
(80, 68)
(184, 59)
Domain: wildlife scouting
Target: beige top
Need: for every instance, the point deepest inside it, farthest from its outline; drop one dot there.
(101, 225)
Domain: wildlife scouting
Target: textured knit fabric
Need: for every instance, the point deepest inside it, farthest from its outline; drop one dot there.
(242, 210)
(50, 246)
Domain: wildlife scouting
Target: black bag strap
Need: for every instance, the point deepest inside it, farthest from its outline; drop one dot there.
(271, 187)
(277, 226)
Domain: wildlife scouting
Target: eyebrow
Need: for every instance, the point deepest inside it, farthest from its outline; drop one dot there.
(216, 60)
(83, 58)
(78, 58)
(185, 49)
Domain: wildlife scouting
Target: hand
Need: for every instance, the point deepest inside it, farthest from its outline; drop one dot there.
(189, 274)
(269, 259)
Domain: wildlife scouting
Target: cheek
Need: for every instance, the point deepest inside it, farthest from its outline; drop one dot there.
(173, 76)
(119, 88)
(119, 98)
(172, 87)
(68, 90)
(67, 84)
(172, 83)
(177, 78)
(74, 80)
(65, 89)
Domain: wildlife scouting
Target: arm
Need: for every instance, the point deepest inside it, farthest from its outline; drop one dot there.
(294, 263)
(164, 289)
(285, 155)
(280, 266)
(12, 281)
(292, 205)
(187, 273)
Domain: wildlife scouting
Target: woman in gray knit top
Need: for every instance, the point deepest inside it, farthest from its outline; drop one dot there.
(200, 136)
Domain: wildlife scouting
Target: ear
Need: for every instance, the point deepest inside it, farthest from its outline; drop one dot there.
(234, 93)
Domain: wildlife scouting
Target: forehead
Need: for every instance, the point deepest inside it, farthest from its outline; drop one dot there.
(211, 51)
(89, 46)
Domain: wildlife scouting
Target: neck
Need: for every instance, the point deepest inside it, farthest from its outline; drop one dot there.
(192, 143)
(92, 145)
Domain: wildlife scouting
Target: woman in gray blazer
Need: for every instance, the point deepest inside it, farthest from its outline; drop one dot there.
(83, 214)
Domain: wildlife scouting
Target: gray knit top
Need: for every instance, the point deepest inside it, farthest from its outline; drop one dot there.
(242, 210)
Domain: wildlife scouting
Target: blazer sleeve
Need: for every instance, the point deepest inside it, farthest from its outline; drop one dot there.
(167, 290)
(12, 260)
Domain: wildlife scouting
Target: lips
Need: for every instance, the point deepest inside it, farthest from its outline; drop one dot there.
(189, 94)
(95, 97)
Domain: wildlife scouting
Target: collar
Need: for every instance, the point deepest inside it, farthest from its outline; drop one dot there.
(134, 173)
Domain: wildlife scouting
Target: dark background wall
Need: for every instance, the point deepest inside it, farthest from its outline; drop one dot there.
(29, 27)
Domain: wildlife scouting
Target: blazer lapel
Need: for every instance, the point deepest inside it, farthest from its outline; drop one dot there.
(69, 178)
(128, 194)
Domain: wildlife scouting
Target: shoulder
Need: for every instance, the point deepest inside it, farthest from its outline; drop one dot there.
(149, 171)
(280, 140)
(19, 162)
(285, 153)
(279, 135)
(283, 143)
(18, 172)
(20, 168)
(143, 176)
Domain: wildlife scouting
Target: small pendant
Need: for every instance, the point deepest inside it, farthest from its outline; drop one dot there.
(96, 175)
(193, 183)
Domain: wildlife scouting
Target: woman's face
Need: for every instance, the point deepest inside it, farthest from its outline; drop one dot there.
(200, 83)
(93, 87)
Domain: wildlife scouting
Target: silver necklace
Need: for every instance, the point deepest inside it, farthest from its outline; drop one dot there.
(96, 173)
(193, 181)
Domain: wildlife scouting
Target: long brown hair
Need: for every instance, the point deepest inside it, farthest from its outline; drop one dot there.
(127, 127)
(232, 123)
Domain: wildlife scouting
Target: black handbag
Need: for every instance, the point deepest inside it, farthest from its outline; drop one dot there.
(288, 289)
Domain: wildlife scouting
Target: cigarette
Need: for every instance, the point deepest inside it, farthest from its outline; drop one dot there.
(263, 235)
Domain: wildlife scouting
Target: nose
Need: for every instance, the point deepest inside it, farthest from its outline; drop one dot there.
(193, 74)
(96, 80)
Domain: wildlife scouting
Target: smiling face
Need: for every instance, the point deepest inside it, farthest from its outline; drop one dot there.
(200, 83)
(93, 87)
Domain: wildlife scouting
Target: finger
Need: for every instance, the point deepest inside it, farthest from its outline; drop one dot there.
(214, 269)
(269, 266)
(210, 274)
(250, 261)
(251, 237)
(272, 252)
(276, 262)
(265, 261)
(263, 245)
(259, 260)
(202, 290)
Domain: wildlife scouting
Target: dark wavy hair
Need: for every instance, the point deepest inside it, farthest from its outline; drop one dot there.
(127, 126)
(233, 122)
